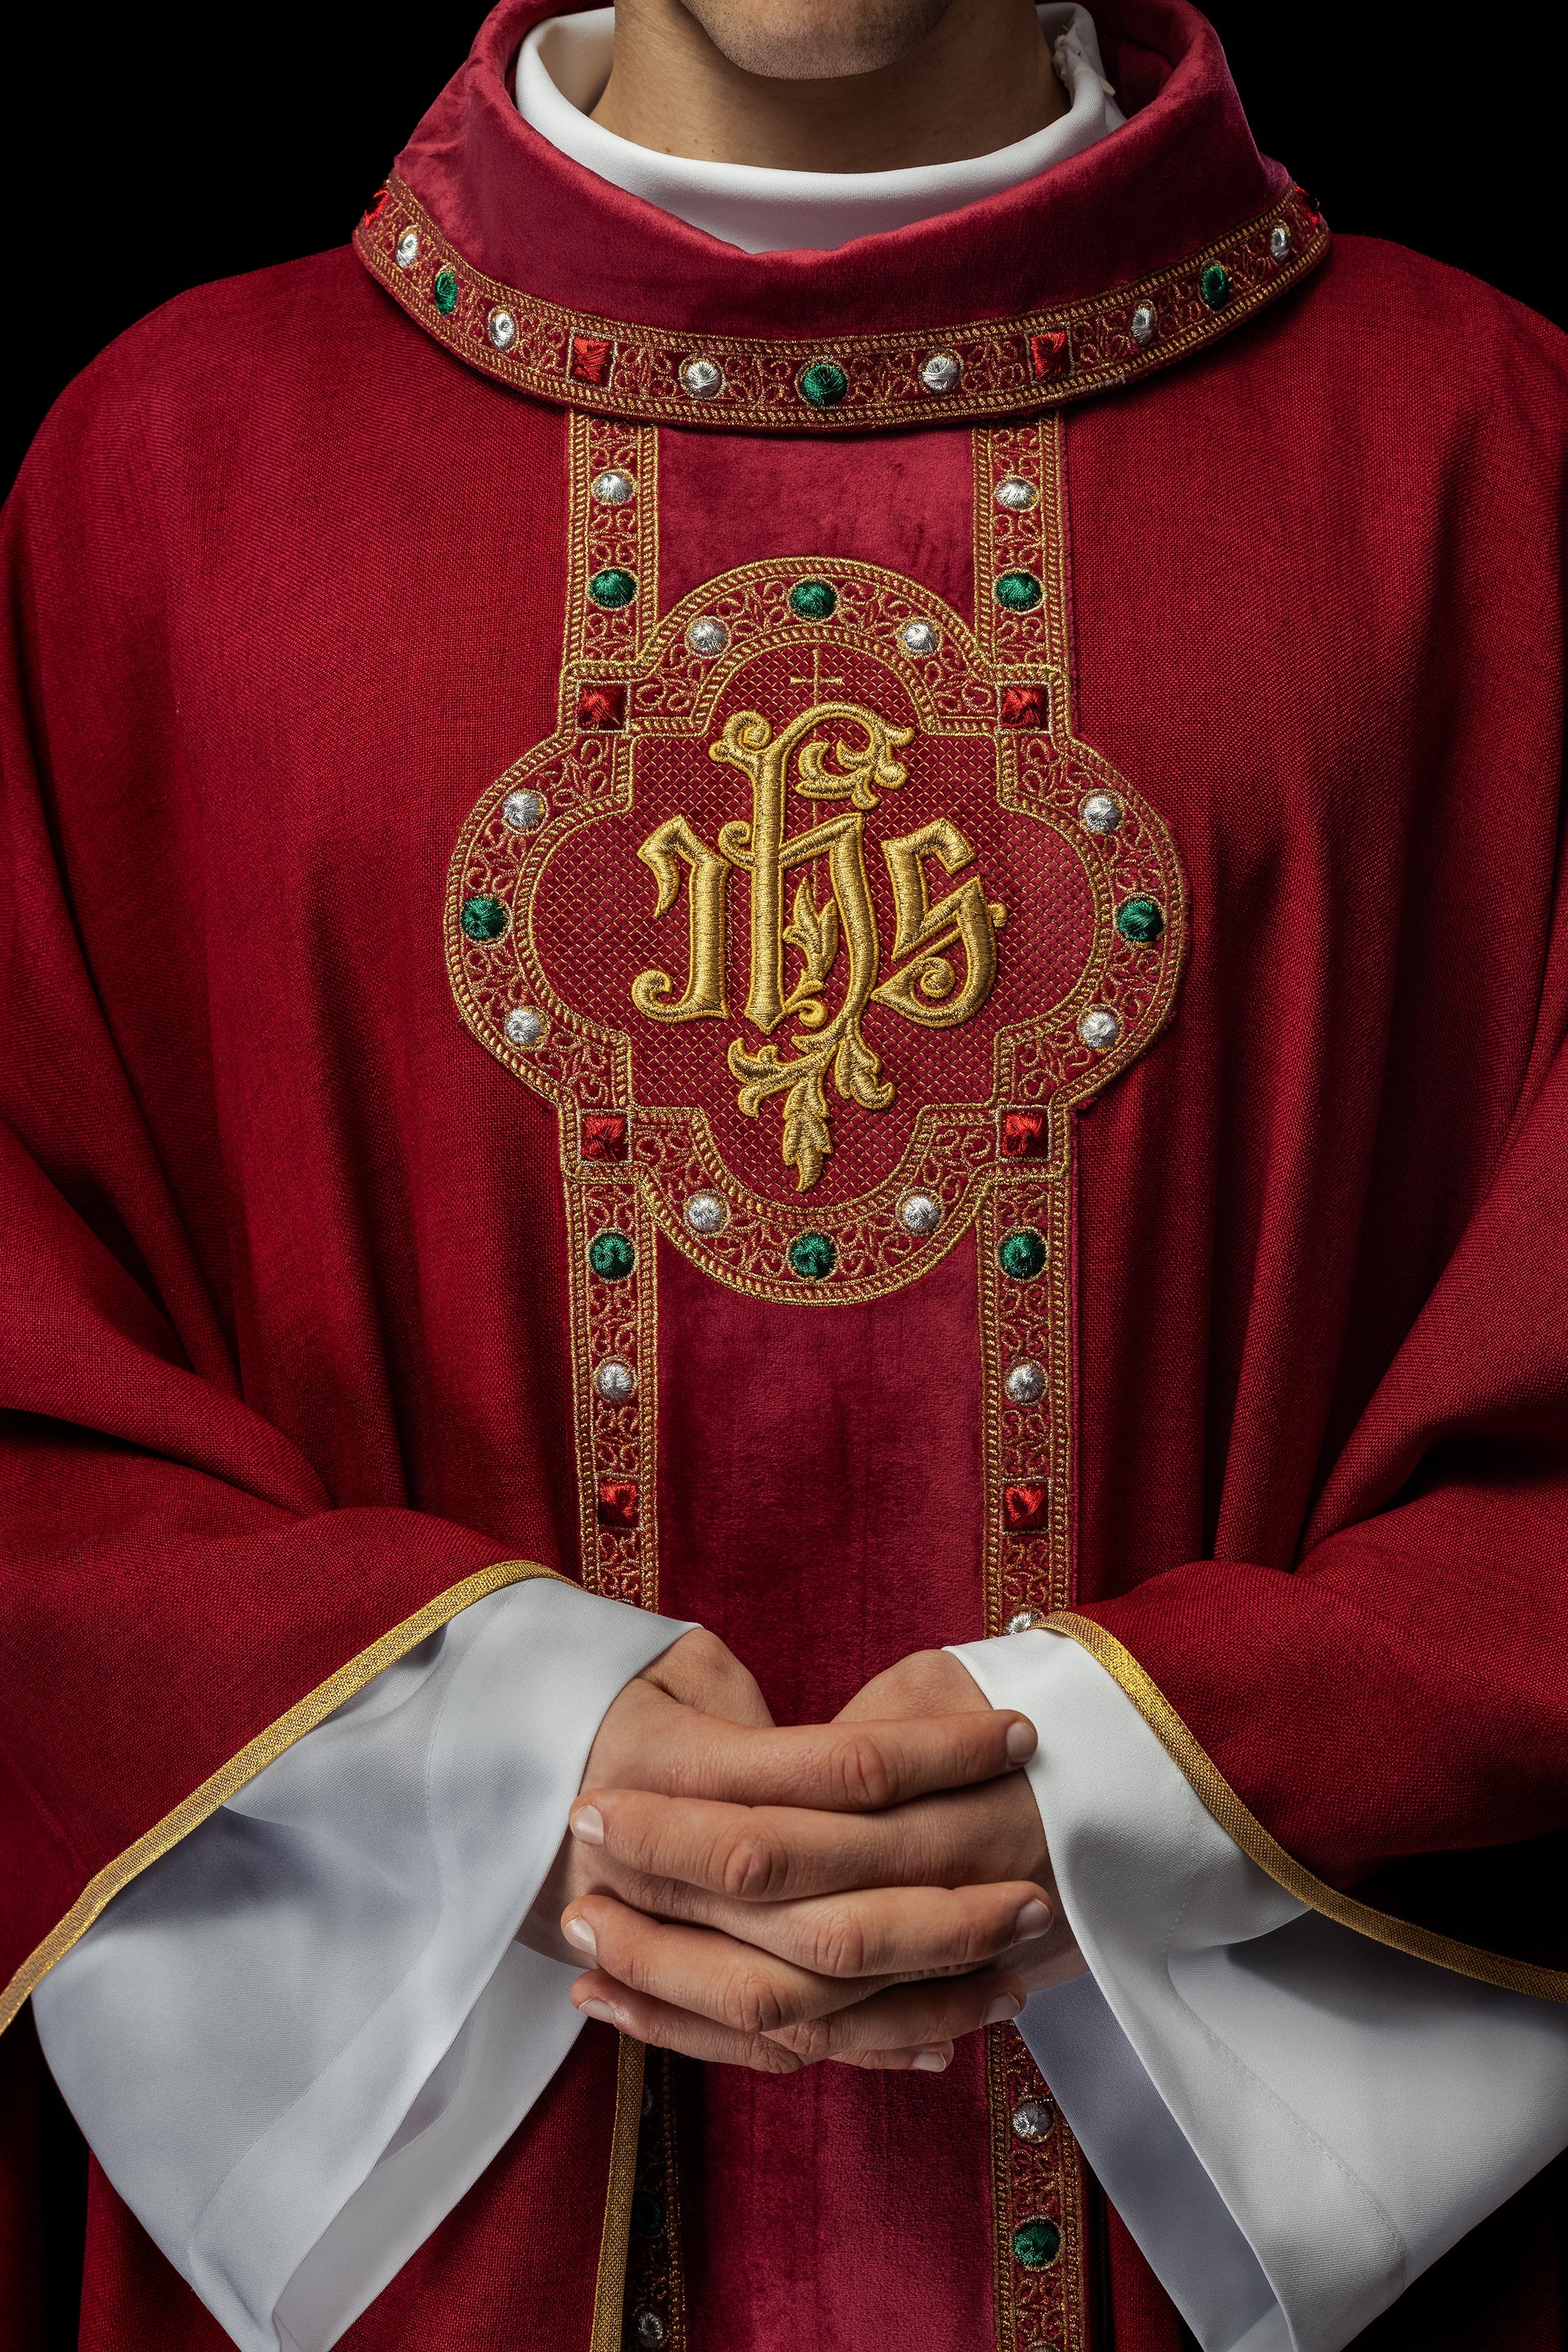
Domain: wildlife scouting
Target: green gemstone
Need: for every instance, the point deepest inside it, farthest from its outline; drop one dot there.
(445, 291)
(824, 384)
(1021, 1255)
(1142, 920)
(1037, 2244)
(813, 1256)
(612, 1255)
(612, 589)
(1214, 285)
(484, 919)
(1018, 591)
(647, 2214)
(813, 600)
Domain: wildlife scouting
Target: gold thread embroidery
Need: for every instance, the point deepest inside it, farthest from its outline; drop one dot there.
(1209, 1784)
(1007, 366)
(1044, 772)
(1034, 2181)
(1025, 1325)
(252, 1758)
(656, 2279)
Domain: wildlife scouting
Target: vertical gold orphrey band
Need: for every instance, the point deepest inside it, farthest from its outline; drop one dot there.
(1037, 2184)
(613, 531)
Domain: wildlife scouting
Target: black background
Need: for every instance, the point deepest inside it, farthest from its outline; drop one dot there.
(154, 151)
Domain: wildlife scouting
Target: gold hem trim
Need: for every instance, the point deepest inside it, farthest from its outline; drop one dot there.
(1008, 366)
(1209, 1784)
(610, 2284)
(252, 1758)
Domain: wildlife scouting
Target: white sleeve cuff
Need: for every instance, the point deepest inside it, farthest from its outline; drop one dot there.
(295, 2040)
(1292, 2121)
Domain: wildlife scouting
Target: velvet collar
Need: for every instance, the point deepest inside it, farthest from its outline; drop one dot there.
(1119, 260)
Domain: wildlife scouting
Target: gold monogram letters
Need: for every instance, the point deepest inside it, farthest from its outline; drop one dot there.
(925, 988)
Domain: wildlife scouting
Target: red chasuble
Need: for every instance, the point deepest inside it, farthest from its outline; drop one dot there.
(861, 945)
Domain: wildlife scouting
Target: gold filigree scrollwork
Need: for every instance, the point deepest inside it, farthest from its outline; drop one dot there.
(828, 1044)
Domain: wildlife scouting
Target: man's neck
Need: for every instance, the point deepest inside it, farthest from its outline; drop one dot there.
(980, 80)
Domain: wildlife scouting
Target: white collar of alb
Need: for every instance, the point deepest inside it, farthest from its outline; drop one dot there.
(565, 63)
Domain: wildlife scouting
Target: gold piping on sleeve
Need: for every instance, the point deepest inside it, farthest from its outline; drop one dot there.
(610, 2286)
(1221, 1799)
(254, 1757)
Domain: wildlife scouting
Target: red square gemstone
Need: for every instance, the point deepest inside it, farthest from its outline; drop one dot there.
(618, 1503)
(591, 360)
(1026, 1135)
(601, 707)
(1025, 1510)
(1051, 355)
(602, 1134)
(376, 206)
(1026, 706)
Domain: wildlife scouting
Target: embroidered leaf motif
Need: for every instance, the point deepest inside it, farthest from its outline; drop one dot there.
(814, 931)
(807, 1138)
(858, 1073)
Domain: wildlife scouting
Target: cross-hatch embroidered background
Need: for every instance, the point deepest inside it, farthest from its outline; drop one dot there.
(597, 929)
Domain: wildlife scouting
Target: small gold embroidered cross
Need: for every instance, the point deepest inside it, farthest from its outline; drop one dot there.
(817, 681)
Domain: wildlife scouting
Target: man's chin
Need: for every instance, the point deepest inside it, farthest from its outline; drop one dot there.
(816, 40)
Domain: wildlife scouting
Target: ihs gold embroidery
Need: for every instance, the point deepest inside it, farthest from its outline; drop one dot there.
(925, 988)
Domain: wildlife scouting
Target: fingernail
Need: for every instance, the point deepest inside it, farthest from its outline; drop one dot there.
(1005, 2005)
(598, 2008)
(1022, 1742)
(578, 1932)
(1032, 1920)
(928, 2062)
(588, 1822)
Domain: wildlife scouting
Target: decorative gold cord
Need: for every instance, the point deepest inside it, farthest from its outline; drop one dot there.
(254, 1757)
(1209, 1784)
(610, 2286)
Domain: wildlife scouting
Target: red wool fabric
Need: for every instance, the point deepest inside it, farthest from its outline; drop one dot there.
(286, 1352)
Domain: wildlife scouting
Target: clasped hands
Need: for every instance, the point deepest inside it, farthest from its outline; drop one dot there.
(866, 1890)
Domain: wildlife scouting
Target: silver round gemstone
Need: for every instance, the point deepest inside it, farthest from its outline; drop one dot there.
(405, 252)
(707, 1212)
(701, 379)
(920, 1213)
(1280, 240)
(1015, 494)
(615, 1381)
(501, 328)
(918, 637)
(1144, 324)
(1100, 813)
(648, 2329)
(1100, 1028)
(1033, 2119)
(524, 1026)
(1023, 1623)
(942, 371)
(707, 637)
(524, 810)
(1025, 1383)
(614, 488)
